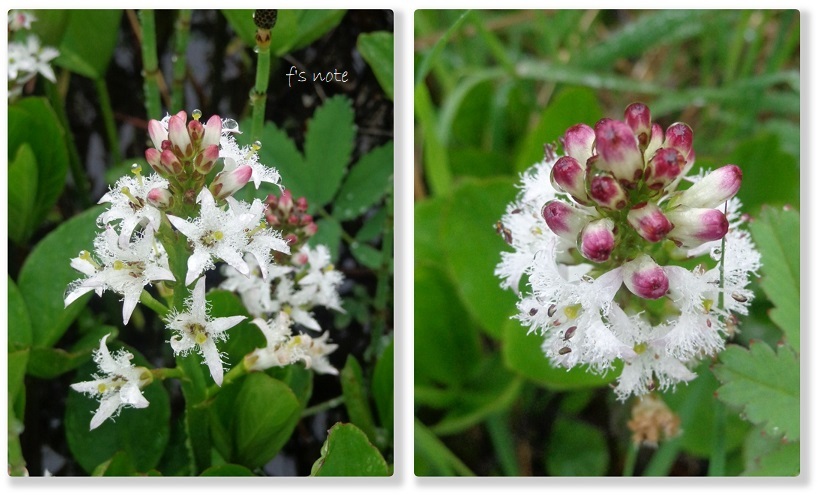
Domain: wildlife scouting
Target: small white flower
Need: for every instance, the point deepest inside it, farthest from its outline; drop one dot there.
(19, 19)
(261, 242)
(120, 384)
(26, 60)
(195, 329)
(129, 204)
(283, 348)
(125, 270)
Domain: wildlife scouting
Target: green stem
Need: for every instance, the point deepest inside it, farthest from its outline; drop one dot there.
(167, 373)
(232, 376)
(183, 29)
(718, 453)
(150, 67)
(630, 460)
(196, 419)
(151, 303)
(259, 95)
(108, 120)
(503, 443)
(325, 405)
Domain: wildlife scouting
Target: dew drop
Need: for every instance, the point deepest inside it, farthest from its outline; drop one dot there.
(256, 145)
(230, 125)
(196, 114)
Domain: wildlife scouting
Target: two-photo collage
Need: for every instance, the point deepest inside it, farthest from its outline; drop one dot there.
(235, 251)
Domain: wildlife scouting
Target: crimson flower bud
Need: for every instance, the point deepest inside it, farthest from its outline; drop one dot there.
(597, 240)
(227, 183)
(606, 191)
(680, 137)
(648, 220)
(302, 204)
(637, 117)
(618, 151)
(564, 220)
(195, 131)
(644, 278)
(568, 175)
(712, 190)
(578, 142)
(695, 226)
(665, 166)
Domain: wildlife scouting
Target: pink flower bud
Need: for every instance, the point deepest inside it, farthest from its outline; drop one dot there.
(606, 191)
(644, 278)
(618, 151)
(291, 239)
(154, 160)
(213, 131)
(272, 219)
(171, 162)
(195, 131)
(300, 258)
(271, 200)
(286, 201)
(178, 134)
(712, 190)
(564, 220)
(302, 204)
(206, 159)
(226, 183)
(680, 137)
(597, 240)
(695, 226)
(637, 116)
(310, 229)
(568, 175)
(305, 219)
(159, 198)
(664, 167)
(157, 133)
(578, 142)
(648, 220)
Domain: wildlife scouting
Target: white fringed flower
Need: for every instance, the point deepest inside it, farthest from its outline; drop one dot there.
(129, 204)
(283, 348)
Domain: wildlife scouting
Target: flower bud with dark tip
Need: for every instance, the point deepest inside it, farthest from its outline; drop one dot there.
(644, 278)
(564, 220)
(637, 116)
(265, 18)
(680, 137)
(712, 190)
(665, 167)
(618, 151)
(648, 220)
(153, 158)
(195, 131)
(607, 192)
(597, 240)
(695, 226)
(578, 142)
(568, 175)
(171, 162)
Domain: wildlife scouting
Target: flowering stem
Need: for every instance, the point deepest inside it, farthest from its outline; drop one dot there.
(718, 453)
(260, 92)
(150, 68)
(630, 460)
(197, 429)
(156, 306)
(108, 120)
(321, 407)
(167, 373)
(183, 28)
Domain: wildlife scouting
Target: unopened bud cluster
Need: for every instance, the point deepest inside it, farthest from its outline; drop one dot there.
(613, 210)
(290, 216)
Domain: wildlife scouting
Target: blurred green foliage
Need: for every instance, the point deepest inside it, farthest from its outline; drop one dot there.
(491, 88)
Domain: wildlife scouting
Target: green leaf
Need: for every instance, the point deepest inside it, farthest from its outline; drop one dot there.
(356, 397)
(49, 363)
(347, 452)
(367, 182)
(431, 457)
(227, 470)
(328, 146)
(760, 157)
(445, 343)
(367, 255)
(47, 272)
(50, 26)
(576, 449)
(265, 414)
(23, 177)
(89, 41)
(522, 353)
(141, 434)
(32, 121)
(19, 323)
(18, 361)
(377, 50)
(294, 28)
(382, 387)
(373, 227)
(467, 224)
(328, 233)
(119, 465)
(764, 384)
(774, 458)
(776, 233)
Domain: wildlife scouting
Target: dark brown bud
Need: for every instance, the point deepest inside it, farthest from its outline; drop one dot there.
(265, 18)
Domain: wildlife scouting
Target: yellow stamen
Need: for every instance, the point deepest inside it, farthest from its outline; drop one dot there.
(571, 312)
(640, 348)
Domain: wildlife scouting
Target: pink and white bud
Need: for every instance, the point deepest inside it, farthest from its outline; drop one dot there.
(680, 137)
(568, 175)
(160, 198)
(195, 131)
(564, 220)
(310, 229)
(644, 278)
(656, 139)
(712, 190)
(302, 204)
(157, 132)
(171, 162)
(665, 167)
(637, 117)
(213, 131)
(578, 142)
(607, 192)
(597, 240)
(286, 201)
(618, 151)
(178, 134)
(648, 220)
(695, 226)
(153, 156)
(226, 183)
(205, 160)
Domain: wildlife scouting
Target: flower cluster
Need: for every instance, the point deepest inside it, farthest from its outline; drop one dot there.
(606, 229)
(27, 58)
(177, 209)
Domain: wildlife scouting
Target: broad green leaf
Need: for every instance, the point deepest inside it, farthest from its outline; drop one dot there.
(328, 146)
(382, 387)
(141, 434)
(48, 362)
(32, 121)
(23, 180)
(367, 255)
(764, 384)
(365, 185)
(266, 412)
(767, 456)
(329, 233)
(89, 41)
(576, 449)
(19, 335)
(445, 342)
(50, 26)
(119, 465)
(377, 50)
(227, 470)
(472, 249)
(356, 398)
(570, 106)
(776, 233)
(761, 157)
(47, 273)
(373, 227)
(522, 353)
(347, 452)
(294, 29)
